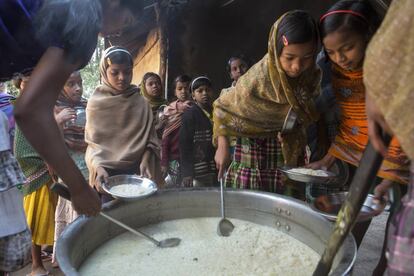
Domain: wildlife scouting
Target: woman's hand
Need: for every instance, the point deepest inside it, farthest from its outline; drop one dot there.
(65, 115)
(376, 124)
(222, 157)
(101, 177)
(381, 191)
(187, 181)
(323, 164)
(92, 206)
(144, 167)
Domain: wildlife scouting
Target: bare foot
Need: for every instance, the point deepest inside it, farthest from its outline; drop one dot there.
(39, 271)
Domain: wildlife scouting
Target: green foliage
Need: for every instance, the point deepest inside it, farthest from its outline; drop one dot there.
(90, 74)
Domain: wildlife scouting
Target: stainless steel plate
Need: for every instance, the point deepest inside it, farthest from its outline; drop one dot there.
(371, 207)
(306, 178)
(149, 185)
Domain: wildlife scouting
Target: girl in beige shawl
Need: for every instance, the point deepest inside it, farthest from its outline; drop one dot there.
(119, 125)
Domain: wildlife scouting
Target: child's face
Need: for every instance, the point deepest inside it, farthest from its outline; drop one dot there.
(237, 68)
(153, 86)
(203, 95)
(345, 49)
(297, 58)
(182, 90)
(119, 76)
(73, 87)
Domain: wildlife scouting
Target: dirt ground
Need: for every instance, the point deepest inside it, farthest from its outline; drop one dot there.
(367, 258)
(370, 250)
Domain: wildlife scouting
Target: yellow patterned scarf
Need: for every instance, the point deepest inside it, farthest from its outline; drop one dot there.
(155, 102)
(389, 71)
(259, 103)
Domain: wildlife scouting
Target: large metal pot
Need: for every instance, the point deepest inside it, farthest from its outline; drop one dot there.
(293, 217)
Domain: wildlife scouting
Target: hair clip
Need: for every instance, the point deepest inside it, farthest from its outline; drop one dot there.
(285, 41)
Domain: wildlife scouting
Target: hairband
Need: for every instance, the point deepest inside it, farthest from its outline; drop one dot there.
(198, 78)
(116, 50)
(360, 15)
(111, 51)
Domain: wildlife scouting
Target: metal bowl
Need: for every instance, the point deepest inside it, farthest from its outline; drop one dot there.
(306, 178)
(329, 205)
(80, 116)
(290, 216)
(133, 179)
(80, 119)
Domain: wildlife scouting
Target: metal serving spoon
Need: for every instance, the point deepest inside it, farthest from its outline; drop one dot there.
(63, 191)
(225, 227)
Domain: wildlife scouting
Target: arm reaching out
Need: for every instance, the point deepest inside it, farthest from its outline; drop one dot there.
(34, 115)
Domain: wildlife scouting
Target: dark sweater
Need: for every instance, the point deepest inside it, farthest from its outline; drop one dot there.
(196, 148)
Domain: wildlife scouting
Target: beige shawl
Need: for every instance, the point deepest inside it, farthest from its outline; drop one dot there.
(389, 71)
(119, 128)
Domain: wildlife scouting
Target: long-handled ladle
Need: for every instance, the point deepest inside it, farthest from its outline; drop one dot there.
(63, 191)
(225, 227)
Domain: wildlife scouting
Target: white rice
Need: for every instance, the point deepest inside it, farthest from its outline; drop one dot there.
(128, 190)
(250, 250)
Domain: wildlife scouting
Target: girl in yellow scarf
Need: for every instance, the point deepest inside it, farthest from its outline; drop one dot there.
(283, 84)
(151, 89)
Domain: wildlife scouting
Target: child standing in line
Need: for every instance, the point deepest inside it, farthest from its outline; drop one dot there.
(69, 119)
(170, 151)
(15, 237)
(151, 89)
(39, 201)
(119, 125)
(236, 67)
(196, 148)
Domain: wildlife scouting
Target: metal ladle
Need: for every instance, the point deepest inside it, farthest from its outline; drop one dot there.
(225, 227)
(63, 191)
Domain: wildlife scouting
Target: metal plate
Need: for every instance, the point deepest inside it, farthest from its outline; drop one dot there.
(306, 178)
(149, 185)
(370, 208)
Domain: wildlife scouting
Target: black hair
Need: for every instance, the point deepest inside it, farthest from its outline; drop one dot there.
(365, 25)
(297, 27)
(181, 78)
(122, 56)
(136, 6)
(200, 81)
(149, 75)
(74, 25)
(235, 57)
(71, 24)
